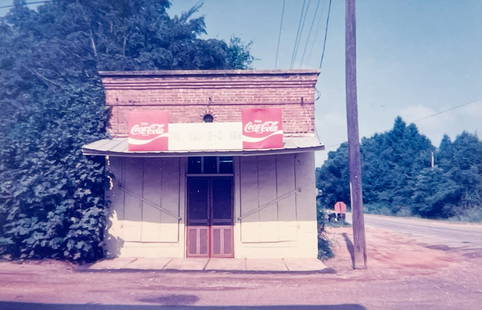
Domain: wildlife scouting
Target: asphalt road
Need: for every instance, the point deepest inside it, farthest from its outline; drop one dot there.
(429, 231)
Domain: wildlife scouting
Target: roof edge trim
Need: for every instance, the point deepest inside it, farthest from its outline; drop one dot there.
(207, 72)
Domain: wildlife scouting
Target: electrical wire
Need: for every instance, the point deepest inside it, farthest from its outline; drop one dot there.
(326, 34)
(421, 119)
(443, 111)
(293, 54)
(279, 34)
(307, 41)
(301, 30)
(318, 31)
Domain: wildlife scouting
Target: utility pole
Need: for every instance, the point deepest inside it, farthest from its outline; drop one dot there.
(359, 245)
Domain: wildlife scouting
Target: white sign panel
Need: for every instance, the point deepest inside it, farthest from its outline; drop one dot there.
(205, 136)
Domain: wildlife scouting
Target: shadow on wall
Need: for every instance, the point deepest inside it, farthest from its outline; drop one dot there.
(6, 305)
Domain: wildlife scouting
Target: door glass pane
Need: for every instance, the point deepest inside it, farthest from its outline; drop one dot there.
(210, 165)
(225, 164)
(222, 207)
(197, 200)
(194, 165)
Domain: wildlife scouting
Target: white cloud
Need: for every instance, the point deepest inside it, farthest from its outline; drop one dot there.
(472, 110)
(451, 122)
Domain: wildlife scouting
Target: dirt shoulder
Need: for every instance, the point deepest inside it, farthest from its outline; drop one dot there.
(402, 273)
(430, 222)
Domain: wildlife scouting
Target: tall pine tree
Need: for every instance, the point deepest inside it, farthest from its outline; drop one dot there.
(391, 162)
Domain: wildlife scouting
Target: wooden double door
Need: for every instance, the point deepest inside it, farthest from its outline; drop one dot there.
(209, 229)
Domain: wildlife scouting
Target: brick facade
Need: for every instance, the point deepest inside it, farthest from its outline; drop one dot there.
(190, 94)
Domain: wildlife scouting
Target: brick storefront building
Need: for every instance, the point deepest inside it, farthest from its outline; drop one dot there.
(210, 193)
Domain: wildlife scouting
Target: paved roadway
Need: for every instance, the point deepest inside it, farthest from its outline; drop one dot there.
(430, 231)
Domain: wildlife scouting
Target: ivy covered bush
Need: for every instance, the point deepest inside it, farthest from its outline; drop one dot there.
(52, 197)
(51, 103)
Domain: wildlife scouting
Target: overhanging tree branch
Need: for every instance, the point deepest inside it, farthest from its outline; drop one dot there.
(43, 78)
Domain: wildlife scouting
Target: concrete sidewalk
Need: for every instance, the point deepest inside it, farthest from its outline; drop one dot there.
(211, 264)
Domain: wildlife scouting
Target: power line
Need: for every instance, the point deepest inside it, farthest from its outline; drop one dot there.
(279, 34)
(326, 34)
(298, 33)
(301, 30)
(318, 31)
(310, 31)
(443, 111)
(28, 3)
(324, 39)
(420, 119)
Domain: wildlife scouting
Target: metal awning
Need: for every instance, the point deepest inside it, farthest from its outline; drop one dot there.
(119, 147)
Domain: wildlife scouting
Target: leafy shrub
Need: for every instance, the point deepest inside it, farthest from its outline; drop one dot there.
(324, 245)
(51, 101)
(377, 208)
(324, 248)
(52, 197)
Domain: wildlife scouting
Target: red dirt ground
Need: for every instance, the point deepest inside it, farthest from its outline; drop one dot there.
(401, 274)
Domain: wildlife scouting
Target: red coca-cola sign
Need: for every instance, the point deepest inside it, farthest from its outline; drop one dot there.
(148, 130)
(262, 128)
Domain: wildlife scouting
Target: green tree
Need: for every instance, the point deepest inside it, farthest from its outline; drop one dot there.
(444, 153)
(398, 177)
(332, 178)
(391, 162)
(51, 196)
(461, 162)
(453, 187)
(434, 194)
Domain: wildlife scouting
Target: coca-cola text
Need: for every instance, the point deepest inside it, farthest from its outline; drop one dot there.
(259, 128)
(146, 129)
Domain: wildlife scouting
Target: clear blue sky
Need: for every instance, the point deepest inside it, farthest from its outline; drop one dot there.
(415, 58)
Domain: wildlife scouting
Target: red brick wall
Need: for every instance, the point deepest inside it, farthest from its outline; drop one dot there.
(188, 95)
